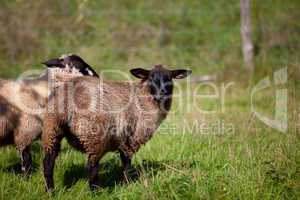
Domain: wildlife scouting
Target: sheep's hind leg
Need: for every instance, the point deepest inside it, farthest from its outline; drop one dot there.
(92, 169)
(22, 141)
(127, 167)
(26, 162)
(126, 161)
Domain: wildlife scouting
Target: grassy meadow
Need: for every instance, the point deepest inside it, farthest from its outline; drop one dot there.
(209, 147)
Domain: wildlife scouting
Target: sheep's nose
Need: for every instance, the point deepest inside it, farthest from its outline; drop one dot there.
(163, 91)
(162, 94)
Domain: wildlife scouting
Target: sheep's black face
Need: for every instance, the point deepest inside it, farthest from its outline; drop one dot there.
(160, 84)
(160, 80)
(71, 63)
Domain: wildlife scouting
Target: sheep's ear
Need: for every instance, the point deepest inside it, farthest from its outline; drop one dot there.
(140, 73)
(56, 62)
(180, 73)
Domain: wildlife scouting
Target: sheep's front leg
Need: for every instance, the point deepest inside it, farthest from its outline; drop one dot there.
(26, 162)
(92, 169)
(49, 162)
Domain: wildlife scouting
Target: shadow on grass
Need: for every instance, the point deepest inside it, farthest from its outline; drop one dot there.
(14, 168)
(111, 174)
(14, 161)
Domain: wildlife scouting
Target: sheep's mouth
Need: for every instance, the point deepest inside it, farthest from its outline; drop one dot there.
(161, 98)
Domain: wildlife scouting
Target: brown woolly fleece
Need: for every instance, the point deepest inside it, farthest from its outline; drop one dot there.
(103, 116)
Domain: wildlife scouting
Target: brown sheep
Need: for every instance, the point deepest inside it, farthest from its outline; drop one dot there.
(97, 116)
(22, 104)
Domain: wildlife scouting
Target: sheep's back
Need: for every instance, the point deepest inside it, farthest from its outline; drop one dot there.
(98, 96)
(22, 95)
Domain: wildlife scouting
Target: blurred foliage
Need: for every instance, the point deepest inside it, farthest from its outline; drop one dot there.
(203, 35)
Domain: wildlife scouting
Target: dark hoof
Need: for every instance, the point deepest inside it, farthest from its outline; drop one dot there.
(50, 190)
(94, 186)
(129, 174)
(49, 186)
(26, 172)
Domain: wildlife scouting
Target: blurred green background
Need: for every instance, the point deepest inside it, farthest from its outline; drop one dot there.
(200, 34)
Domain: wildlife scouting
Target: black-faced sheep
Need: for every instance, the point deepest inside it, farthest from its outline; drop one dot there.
(22, 104)
(97, 116)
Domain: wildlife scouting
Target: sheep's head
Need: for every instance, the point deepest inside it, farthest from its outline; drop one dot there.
(71, 64)
(65, 68)
(160, 80)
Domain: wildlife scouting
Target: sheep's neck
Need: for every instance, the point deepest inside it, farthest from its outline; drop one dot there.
(145, 129)
(163, 106)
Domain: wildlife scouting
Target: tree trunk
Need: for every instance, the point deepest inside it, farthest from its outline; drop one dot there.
(247, 45)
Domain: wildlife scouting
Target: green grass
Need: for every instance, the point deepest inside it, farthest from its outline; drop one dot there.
(250, 161)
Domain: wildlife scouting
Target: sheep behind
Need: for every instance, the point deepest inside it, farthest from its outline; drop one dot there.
(22, 105)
